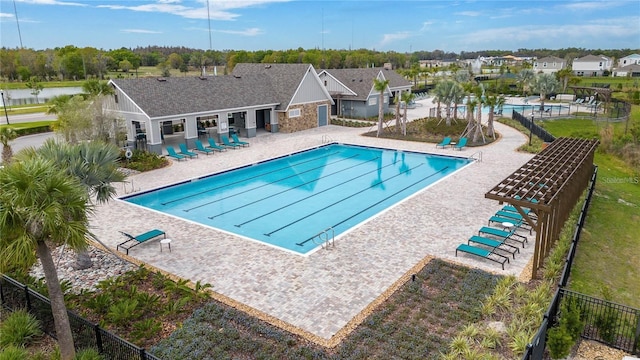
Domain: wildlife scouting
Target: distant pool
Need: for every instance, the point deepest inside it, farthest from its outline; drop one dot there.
(288, 201)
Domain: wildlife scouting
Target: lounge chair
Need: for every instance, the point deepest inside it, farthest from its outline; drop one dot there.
(445, 142)
(172, 153)
(483, 253)
(184, 151)
(462, 143)
(214, 146)
(139, 239)
(504, 235)
(527, 211)
(227, 143)
(495, 244)
(235, 139)
(202, 149)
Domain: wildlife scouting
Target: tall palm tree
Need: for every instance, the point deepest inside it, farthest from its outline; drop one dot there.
(42, 206)
(524, 79)
(457, 97)
(94, 164)
(545, 84)
(564, 76)
(96, 88)
(440, 96)
(6, 135)
(493, 101)
(380, 86)
(406, 97)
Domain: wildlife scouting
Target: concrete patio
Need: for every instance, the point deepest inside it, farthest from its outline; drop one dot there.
(322, 296)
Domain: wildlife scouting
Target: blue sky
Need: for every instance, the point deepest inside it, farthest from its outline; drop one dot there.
(401, 26)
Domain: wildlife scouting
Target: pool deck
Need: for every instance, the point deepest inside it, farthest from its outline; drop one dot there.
(325, 294)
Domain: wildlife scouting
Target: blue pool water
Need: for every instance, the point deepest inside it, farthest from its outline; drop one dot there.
(287, 201)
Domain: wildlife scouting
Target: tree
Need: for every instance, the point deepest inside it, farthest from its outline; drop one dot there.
(380, 86)
(7, 134)
(95, 88)
(35, 86)
(564, 76)
(524, 79)
(493, 101)
(42, 206)
(406, 98)
(94, 164)
(545, 84)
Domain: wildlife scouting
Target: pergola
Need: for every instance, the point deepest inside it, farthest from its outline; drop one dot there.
(550, 184)
(600, 93)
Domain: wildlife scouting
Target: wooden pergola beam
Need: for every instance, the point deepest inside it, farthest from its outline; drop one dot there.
(550, 185)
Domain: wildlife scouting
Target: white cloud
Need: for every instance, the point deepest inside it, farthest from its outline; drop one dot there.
(246, 32)
(140, 31)
(426, 25)
(51, 2)
(390, 38)
(5, 16)
(469, 13)
(589, 5)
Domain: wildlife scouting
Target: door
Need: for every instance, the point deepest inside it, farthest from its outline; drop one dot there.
(323, 117)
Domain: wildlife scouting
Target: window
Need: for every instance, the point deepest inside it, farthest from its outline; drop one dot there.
(544, 64)
(385, 99)
(294, 113)
(372, 100)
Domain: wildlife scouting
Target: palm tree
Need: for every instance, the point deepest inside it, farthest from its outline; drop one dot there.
(406, 97)
(7, 134)
(57, 103)
(524, 78)
(545, 84)
(94, 164)
(440, 96)
(457, 97)
(493, 101)
(96, 88)
(42, 206)
(564, 76)
(380, 86)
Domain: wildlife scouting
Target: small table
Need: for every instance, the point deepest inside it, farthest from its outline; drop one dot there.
(452, 144)
(508, 226)
(165, 241)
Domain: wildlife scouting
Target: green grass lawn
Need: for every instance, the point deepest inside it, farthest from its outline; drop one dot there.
(607, 262)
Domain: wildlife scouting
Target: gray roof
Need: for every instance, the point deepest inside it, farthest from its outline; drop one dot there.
(550, 59)
(188, 95)
(360, 81)
(630, 68)
(591, 58)
(284, 78)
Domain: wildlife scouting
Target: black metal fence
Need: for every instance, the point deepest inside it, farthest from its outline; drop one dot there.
(530, 124)
(14, 296)
(612, 324)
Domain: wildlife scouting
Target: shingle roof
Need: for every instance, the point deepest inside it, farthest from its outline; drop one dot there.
(361, 80)
(550, 59)
(591, 58)
(188, 95)
(284, 78)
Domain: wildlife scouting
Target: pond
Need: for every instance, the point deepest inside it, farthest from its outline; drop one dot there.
(24, 96)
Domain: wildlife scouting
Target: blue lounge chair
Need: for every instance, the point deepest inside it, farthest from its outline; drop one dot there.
(503, 235)
(494, 244)
(214, 146)
(227, 143)
(184, 151)
(462, 143)
(201, 148)
(527, 211)
(445, 142)
(235, 139)
(483, 253)
(172, 152)
(139, 239)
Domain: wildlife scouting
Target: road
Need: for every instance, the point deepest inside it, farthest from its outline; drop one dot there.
(34, 140)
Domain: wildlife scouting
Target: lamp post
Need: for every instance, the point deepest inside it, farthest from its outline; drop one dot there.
(530, 129)
(4, 105)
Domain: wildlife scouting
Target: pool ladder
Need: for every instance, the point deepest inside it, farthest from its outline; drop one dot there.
(325, 238)
(327, 139)
(476, 156)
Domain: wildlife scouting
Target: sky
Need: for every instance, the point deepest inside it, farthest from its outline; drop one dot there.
(389, 25)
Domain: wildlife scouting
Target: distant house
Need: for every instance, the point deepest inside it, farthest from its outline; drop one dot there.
(592, 65)
(273, 97)
(629, 60)
(632, 70)
(549, 65)
(353, 92)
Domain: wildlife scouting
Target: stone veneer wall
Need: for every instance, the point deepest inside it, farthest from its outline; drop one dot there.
(308, 118)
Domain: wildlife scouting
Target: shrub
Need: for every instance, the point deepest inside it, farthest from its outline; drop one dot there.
(88, 354)
(607, 325)
(19, 329)
(143, 161)
(559, 342)
(12, 352)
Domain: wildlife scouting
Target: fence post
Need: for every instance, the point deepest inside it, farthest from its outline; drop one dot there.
(27, 297)
(636, 343)
(96, 330)
(143, 354)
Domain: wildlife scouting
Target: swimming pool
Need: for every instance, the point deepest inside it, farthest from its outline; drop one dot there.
(287, 201)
